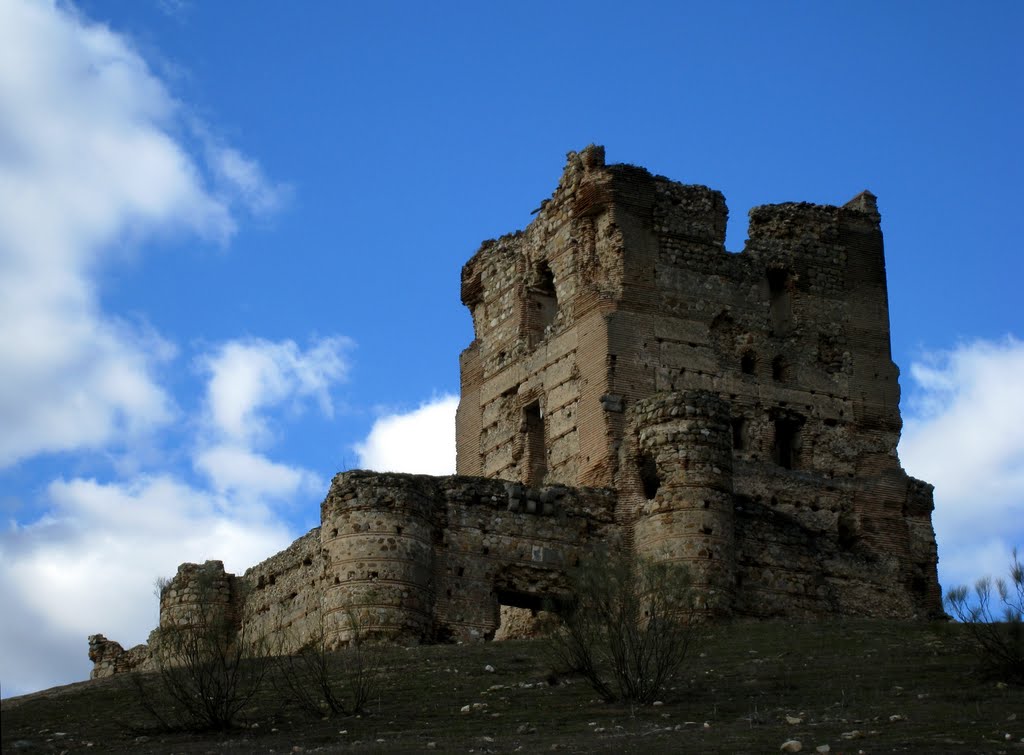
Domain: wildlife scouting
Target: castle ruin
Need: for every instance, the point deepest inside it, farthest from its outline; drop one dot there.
(632, 385)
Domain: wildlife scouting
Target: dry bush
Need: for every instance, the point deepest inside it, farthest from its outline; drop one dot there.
(995, 628)
(324, 682)
(206, 669)
(629, 628)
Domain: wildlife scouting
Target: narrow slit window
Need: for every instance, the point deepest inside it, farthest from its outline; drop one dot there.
(780, 296)
(748, 363)
(787, 443)
(739, 433)
(649, 478)
(780, 369)
(542, 303)
(536, 457)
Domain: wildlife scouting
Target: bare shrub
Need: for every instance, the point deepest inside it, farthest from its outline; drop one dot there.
(996, 628)
(207, 670)
(324, 682)
(629, 627)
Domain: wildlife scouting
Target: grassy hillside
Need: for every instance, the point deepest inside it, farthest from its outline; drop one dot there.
(851, 685)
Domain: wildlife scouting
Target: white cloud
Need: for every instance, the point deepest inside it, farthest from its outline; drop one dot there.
(247, 376)
(89, 160)
(240, 471)
(964, 433)
(90, 564)
(421, 441)
(92, 162)
(245, 178)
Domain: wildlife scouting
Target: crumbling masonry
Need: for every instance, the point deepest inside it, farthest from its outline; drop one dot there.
(632, 384)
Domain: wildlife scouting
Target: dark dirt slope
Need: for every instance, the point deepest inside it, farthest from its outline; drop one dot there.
(854, 686)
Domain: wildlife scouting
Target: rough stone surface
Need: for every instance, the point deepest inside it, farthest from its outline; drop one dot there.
(631, 383)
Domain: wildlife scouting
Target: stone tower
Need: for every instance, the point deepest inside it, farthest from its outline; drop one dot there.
(621, 293)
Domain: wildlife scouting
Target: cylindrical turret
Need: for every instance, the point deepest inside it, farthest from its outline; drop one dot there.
(684, 449)
(377, 534)
(200, 596)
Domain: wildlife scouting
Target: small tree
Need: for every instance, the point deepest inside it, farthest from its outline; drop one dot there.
(998, 635)
(207, 670)
(629, 626)
(325, 682)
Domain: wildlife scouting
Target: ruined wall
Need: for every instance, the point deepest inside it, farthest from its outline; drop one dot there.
(404, 558)
(422, 557)
(284, 594)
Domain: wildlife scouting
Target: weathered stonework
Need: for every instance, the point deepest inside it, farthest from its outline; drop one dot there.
(633, 384)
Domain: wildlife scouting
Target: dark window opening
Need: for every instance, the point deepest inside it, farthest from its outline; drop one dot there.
(748, 363)
(517, 599)
(535, 452)
(649, 476)
(780, 297)
(847, 533)
(542, 303)
(787, 442)
(739, 433)
(780, 369)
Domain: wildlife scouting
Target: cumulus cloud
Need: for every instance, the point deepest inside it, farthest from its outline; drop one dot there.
(964, 433)
(249, 375)
(421, 441)
(89, 160)
(241, 471)
(95, 158)
(90, 564)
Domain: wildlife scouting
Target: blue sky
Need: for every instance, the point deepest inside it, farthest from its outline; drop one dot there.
(231, 236)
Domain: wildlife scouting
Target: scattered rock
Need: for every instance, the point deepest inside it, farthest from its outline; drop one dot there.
(489, 668)
(791, 745)
(897, 717)
(526, 729)
(657, 703)
(466, 709)
(823, 749)
(855, 734)
(431, 745)
(794, 720)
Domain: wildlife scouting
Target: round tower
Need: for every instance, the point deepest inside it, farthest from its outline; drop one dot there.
(377, 536)
(684, 460)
